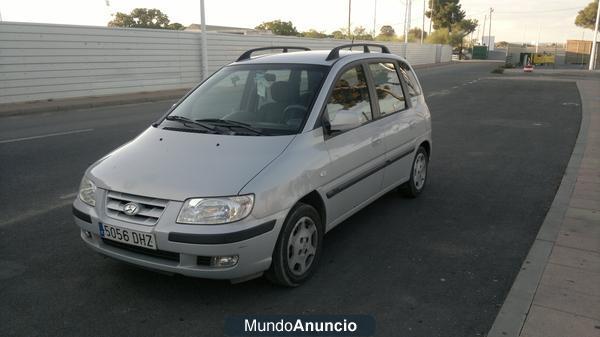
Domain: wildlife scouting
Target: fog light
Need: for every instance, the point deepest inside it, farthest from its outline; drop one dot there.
(87, 234)
(224, 261)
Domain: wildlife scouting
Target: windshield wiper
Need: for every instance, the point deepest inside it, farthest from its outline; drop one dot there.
(229, 123)
(185, 121)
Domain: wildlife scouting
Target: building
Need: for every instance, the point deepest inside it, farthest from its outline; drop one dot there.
(578, 52)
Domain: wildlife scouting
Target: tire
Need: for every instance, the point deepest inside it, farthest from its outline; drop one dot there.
(298, 249)
(418, 174)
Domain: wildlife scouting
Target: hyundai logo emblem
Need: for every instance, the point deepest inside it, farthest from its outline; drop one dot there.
(131, 208)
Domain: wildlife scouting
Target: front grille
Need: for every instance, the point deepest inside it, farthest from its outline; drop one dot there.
(162, 254)
(150, 208)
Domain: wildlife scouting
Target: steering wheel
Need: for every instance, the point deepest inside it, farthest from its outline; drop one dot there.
(294, 111)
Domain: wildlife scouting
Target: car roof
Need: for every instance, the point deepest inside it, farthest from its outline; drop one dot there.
(318, 57)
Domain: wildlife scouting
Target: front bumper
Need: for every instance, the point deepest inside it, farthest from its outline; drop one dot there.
(188, 249)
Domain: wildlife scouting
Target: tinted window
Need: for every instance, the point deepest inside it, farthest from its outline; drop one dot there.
(349, 104)
(410, 79)
(388, 87)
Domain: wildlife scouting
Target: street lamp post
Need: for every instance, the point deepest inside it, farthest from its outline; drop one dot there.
(592, 64)
(375, 20)
(423, 23)
(407, 20)
(483, 30)
(349, 13)
(490, 29)
(203, 47)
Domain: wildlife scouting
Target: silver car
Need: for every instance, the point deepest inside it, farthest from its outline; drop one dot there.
(246, 173)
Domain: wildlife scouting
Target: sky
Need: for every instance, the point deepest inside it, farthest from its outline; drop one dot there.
(512, 20)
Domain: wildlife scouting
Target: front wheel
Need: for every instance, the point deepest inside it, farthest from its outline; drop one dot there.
(298, 247)
(418, 174)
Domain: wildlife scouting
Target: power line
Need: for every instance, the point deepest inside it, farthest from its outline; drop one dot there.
(532, 12)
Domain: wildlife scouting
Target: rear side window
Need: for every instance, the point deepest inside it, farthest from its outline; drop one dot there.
(389, 90)
(410, 79)
(349, 104)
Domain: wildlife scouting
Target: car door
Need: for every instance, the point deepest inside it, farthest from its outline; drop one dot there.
(399, 115)
(419, 110)
(356, 150)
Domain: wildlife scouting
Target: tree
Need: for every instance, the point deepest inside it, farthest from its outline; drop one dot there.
(462, 29)
(501, 44)
(414, 34)
(360, 33)
(279, 27)
(586, 18)
(313, 33)
(339, 34)
(387, 30)
(445, 13)
(456, 36)
(386, 33)
(144, 18)
(439, 36)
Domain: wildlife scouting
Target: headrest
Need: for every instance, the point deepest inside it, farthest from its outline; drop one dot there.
(281, 91)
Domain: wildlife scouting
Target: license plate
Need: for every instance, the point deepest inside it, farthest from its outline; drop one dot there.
(128, 236)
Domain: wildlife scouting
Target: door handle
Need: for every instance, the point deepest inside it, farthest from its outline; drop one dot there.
(376, 141)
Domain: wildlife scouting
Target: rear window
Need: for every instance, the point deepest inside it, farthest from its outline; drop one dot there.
(388, 87)
(411, 80)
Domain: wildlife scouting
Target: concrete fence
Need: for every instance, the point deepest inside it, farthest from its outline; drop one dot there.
(47, 61)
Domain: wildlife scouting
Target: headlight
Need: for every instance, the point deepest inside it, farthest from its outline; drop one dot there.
(212, 211)
(87, 192)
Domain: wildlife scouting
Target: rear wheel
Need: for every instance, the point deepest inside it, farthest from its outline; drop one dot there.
(298, 247)
(418, 174)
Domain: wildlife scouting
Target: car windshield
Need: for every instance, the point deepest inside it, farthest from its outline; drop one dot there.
(259, 100)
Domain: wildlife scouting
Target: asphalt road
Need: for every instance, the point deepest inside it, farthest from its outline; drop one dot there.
(439, 265)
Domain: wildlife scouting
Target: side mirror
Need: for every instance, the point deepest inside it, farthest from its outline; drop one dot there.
(327, 126)
(344, 120)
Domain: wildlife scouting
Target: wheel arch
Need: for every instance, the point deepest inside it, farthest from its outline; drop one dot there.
(315, 200)
(427, 145)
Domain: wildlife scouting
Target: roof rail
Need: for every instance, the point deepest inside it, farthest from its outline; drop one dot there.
(246, 55)
(335, 52)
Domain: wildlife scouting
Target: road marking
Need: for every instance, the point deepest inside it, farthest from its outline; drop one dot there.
(437, 93)
(68, 196)
(45, 136)
(32, 213)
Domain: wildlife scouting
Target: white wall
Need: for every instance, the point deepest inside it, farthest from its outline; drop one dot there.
(46, 61)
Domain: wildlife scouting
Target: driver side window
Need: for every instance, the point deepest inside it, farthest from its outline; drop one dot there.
(349, 105)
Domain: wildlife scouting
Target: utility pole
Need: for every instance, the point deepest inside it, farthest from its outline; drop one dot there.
(431, 15)
(203, 42)
(592, 64)
(483, 30)
(423, 23)
(406, 22)
(537, 42)
(490, 28)
(409, 16)
(349, 12)
(375, 20)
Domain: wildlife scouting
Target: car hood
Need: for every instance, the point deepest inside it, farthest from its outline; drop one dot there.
(178, 165)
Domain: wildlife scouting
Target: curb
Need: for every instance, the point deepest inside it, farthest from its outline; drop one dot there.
(11, 109)
(511, 318)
